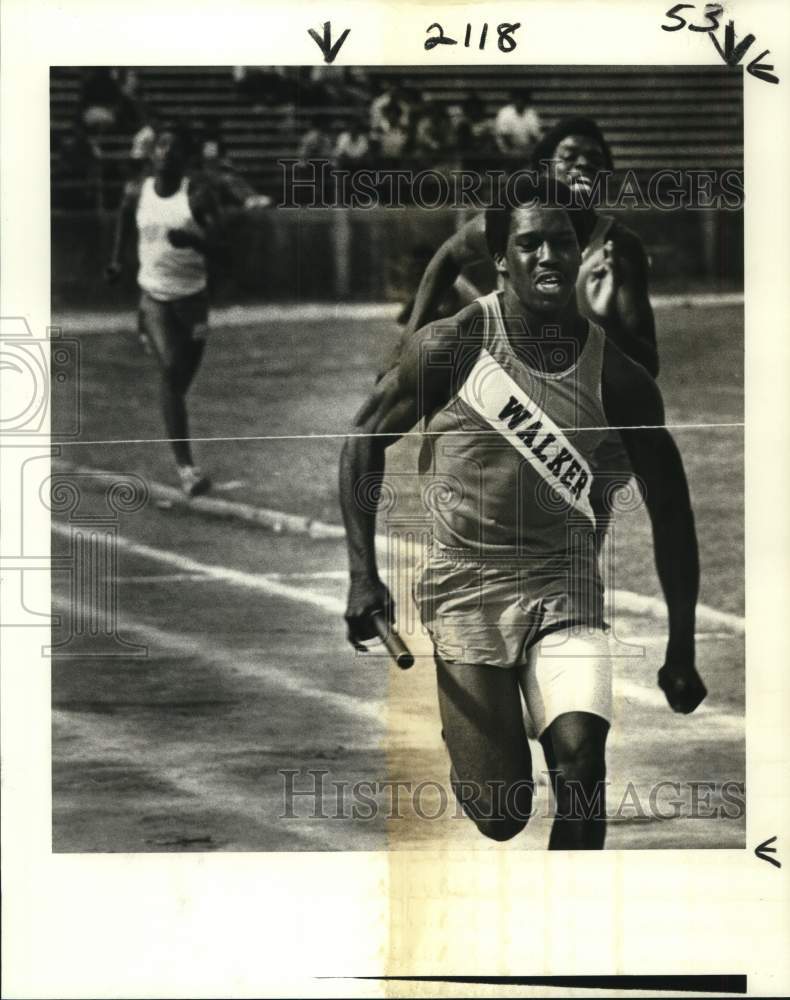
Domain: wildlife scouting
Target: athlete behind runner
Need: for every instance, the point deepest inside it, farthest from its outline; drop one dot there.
(511, 592)
(177, 219)
(612, 287)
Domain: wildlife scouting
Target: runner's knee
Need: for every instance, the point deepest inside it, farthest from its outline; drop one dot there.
(499, 811)
(584, 763)
(580, 782)
(501, 828)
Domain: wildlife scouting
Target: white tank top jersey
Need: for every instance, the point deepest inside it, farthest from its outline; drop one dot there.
(167, 273)
(518, 486)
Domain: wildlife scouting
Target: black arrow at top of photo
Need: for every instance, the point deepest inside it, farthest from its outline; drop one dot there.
(325, 44)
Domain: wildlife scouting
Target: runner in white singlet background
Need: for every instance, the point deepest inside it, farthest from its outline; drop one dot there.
(517, 391)
(177, 220)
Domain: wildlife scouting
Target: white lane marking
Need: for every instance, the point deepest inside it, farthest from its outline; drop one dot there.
(657, 639)
(118, 741)
(334, 606)
(727, 725)
(213, 654)
(237, 577)
(329, 574)
(95, 322)
(163, 578)
(275, 520)
(640, 604)
(624, 601)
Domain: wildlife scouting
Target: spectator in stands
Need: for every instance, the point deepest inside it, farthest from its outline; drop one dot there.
(315, 150)
(261, 85)
(76, 172)
(474, 133)
(139, 163)
(433, 138)
(143, 142)
(391, 138)
(517, 128)
(316, 143)
(132, 113)
(99, 100)
(352, 149)
(232, 189)
(390, 106)
(356, 86)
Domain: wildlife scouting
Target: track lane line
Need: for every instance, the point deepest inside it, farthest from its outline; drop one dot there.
(213, 654)
(729, 722)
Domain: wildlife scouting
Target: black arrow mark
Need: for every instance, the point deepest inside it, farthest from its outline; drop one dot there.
(731, 53)
(325, 44)
(763, 850)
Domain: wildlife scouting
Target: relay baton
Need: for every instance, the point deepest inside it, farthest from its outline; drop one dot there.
(396, 647)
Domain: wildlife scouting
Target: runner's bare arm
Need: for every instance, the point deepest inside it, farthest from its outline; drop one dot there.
(207, 212)
(632, 400)
(466, 247)
(618, 295)
(408, 391)
(124, 228)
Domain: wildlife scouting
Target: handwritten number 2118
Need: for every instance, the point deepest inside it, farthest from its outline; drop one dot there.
(505, 40)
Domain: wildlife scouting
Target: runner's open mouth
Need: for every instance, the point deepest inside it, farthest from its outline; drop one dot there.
(548, 280)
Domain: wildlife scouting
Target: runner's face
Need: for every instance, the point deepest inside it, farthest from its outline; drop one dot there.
(167, 155)
(577, 159)
(542, 258)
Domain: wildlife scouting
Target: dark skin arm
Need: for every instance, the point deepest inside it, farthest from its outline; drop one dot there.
(631, 397)
(125, 227)
(409, 390)
(462, 249)
(618, 295)
(207, 213)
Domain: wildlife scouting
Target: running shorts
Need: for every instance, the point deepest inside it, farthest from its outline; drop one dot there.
(491, 612)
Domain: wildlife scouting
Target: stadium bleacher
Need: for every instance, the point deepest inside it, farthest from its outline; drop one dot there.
(654, 116)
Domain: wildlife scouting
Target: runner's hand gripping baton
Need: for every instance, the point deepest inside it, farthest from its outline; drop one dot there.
(396, 647)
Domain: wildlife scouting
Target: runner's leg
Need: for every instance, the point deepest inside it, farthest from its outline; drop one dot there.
(567, 684)
(575, 745)
(483, 727)
(179, 357)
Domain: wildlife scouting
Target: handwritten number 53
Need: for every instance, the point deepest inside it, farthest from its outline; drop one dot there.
(731, 52)
(713, 12)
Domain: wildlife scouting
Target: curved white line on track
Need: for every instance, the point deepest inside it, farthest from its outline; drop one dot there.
(199, 646)
(725, 722)
(711, 619)
(237, 577)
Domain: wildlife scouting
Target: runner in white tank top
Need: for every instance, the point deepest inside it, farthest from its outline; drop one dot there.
(168, 272)
(176, 219)
(515, 391)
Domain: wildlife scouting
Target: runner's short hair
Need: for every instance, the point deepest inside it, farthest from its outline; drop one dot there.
(183, 134)
(537, 191)
(576, 125)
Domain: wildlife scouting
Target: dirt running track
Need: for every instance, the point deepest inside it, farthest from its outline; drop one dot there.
(236, 667)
